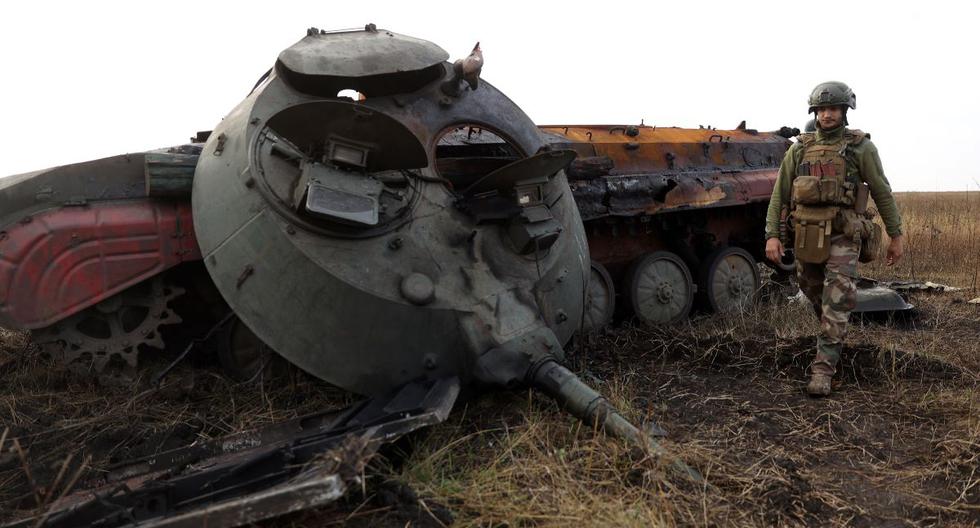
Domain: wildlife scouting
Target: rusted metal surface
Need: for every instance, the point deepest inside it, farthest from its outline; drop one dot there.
(637, 170)
(641, 149)
(617, 242)
(689, 192)
(117, 328)
(649, 194)
(625, 180)
(641, 188)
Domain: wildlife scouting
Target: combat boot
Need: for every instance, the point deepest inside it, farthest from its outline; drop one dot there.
(820, 375)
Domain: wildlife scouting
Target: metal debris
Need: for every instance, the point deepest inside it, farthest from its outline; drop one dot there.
(872, 297)
(927, 286)
(248, 477)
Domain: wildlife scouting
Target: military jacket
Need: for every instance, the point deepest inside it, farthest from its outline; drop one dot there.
(863, 165)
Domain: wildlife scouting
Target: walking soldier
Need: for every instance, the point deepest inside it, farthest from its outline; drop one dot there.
(822, 190)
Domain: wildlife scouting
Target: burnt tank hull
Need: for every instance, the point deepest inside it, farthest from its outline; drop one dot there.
(660, 172)
(674, 217)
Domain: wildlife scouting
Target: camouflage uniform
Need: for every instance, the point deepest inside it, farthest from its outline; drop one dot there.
(830, 287)
(832, 292)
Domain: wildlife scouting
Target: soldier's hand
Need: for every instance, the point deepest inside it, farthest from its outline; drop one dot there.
(895, 250)
(774, 250)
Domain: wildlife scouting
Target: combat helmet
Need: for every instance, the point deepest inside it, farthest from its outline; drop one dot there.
(832, 93)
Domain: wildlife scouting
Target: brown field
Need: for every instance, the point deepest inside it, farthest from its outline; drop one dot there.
(942, 232)
(898, 444)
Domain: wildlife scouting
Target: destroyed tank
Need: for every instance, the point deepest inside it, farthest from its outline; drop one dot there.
(675, 217)
(346, 241)
(374, 214)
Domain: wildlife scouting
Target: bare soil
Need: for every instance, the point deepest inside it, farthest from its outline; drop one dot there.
(872, 455)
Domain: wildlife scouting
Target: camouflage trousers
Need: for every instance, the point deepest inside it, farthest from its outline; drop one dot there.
(831, 289)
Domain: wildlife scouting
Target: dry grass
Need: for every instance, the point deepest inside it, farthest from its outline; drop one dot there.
(57, 416)
(536, 467)
(942, 239)
(898, 444)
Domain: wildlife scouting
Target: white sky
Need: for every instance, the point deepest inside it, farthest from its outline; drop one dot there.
(84, 80)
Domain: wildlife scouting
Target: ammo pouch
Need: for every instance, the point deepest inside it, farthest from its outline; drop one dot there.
(870, 240)
(813, 226)
(861, 228)
(813, 190)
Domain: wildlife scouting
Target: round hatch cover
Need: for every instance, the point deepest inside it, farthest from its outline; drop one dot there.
(360, 53)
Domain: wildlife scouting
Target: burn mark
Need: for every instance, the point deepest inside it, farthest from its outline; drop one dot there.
(648, 194)
(661, 196)
(694, 194)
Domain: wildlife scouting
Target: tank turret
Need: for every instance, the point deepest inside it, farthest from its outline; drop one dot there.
(354, 237)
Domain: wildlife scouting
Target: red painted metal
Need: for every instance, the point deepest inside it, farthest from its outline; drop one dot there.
(61, 261)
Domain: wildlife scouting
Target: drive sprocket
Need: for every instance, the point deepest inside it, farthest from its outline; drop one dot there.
(115, 327)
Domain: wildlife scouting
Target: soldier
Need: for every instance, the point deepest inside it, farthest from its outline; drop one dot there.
(823, 185)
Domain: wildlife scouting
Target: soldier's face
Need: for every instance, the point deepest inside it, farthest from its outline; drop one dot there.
(830, 117)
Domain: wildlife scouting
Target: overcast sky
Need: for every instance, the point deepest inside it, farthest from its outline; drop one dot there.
(84, 80)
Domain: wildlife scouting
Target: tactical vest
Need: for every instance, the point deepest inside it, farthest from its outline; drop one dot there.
(821, 192)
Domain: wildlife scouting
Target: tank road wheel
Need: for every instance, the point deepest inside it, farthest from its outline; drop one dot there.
(241, 353)
(600, 299)
(660, 288)
(728, 280)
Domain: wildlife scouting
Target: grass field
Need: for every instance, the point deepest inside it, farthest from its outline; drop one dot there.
(942, 232)
(898, 444)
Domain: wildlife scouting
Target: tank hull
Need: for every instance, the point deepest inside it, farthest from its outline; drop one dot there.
(695, 197)
(663, 188)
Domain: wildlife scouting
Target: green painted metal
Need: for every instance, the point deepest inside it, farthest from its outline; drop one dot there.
(429, 289)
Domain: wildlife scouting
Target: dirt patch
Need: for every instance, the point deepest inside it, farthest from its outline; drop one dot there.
(870, 455)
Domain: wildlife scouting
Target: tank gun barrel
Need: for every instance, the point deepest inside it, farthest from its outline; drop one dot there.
(586, 404)
(533, 359)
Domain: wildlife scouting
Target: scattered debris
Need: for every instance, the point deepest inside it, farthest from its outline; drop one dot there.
(872, 297)
(254, 475)
(878, 298)
(926, 286)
